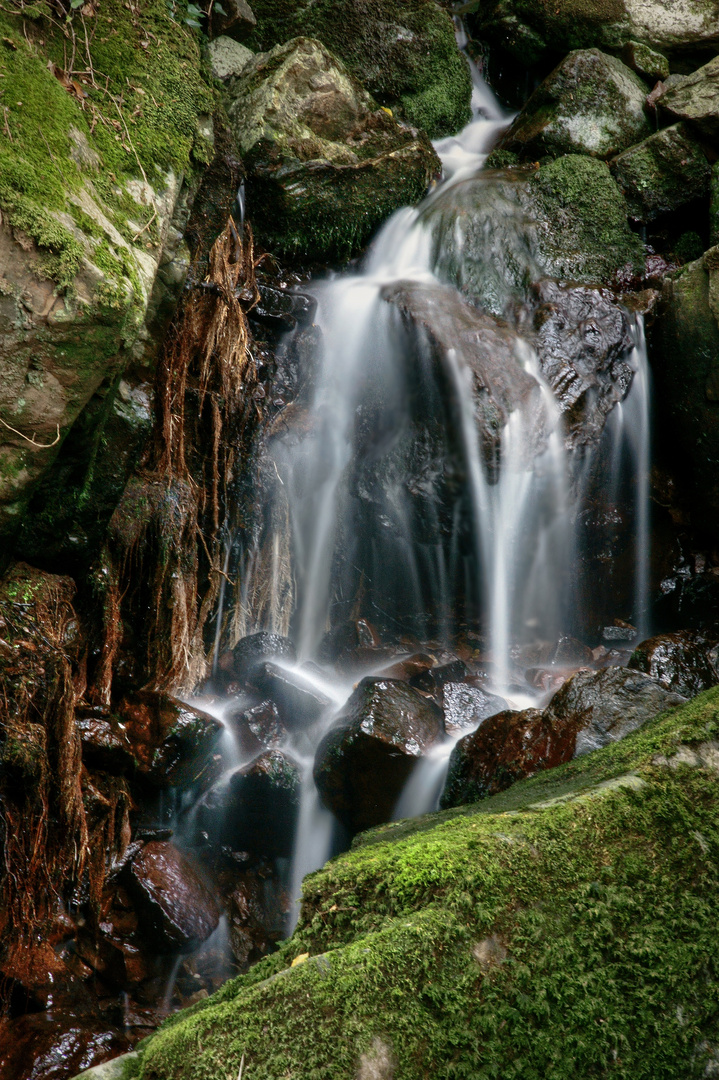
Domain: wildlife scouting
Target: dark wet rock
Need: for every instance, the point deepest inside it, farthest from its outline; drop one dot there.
(262, 806)
(467, 706)
(351, 639)
(256, 909)
(172, 896)
(695, 98)
(488, 349)
(405, 54)
(682, 662)
(325, 165)
(666, 171)
(299, 701)
(105, 743)
(237, 19)
(648, 63)
(432, 680)
(684, 344)
(619, 632)
(409, 668)
(250, 652)
(258, 727)
(601, 707)
(590, 104)
(362, 764)
(282, 309)
(583, 344)
(506, 747)
(43, 1046)
(172, 742)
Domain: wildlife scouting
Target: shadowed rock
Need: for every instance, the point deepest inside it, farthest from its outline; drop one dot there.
(173, 896)
(666, 171)
(684, 662)
(251, 651)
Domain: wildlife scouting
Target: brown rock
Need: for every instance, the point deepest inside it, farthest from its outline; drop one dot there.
(171, 741)
(682, 662)
(178, 908)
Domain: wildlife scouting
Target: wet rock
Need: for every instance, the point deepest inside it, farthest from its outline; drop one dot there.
(683, 662)
(590, 104)
(465, 707)
(601, 707)
(105, 743)
(432, 680)
(236, 20)
(318, 149)
(172, 742)
(362, 764)
(405, 54)
(619, 632)
(256, 909)
(258, 727)
(228, 57)
(648, 63)
(583, 344)
(666, 171)
(43, 1046)
(262, 806)
(250, 652)
(695, 98)
(409, 668)
(506, 747)
(351, 639)
(172, 896)
(299, 701)
(684, 343)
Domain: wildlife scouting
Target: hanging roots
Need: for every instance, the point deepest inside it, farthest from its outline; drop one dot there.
(163, 563)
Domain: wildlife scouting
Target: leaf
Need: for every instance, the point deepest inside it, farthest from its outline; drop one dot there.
(193, 22)
(193, 9)
(75, 4)
(219, 9)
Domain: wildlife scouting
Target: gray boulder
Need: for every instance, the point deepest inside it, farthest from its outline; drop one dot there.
(325, 165)
(662, 173)
(695, 98)
(590, 104)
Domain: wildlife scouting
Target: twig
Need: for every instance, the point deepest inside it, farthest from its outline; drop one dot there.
(154, 215)
(37, 445)
(87, 50)
(242, 1067)
(132, 145)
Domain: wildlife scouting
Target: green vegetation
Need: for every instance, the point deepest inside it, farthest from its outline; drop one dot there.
(564, 928)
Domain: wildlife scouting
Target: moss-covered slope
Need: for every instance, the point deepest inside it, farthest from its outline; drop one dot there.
(566, 928)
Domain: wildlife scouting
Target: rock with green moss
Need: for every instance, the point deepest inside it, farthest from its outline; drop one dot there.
(532, 30)
(685, 360)
(666, 171)
(497, 234)
(648, 63)
(325, 164)
(563, 928)
(695, 98)
(89, 180)
(590, 104)
(403, 51)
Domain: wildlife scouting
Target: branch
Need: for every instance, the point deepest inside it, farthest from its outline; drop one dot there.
(37, 445)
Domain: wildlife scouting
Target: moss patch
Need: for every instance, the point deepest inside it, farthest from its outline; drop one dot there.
(564, 928)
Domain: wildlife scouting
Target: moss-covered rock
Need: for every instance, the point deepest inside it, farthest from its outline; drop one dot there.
(325, 164)
(647, 62)
(532, 29)
(403, 51)
(90, 172)
(685, 358)
(666, 171)
(695, 98)
(564, 928)
(590, 104)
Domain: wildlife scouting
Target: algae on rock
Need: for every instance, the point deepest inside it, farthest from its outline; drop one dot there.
(663, 173)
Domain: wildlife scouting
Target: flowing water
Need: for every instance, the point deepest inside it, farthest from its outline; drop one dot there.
(378, 523)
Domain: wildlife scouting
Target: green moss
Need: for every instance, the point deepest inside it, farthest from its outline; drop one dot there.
(565, 928)
(403, 51)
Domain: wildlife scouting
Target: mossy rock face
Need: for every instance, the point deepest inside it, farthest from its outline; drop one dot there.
(646, 62)
(496, 235)
(90, 176)
(590, 104)
(685, 358)
(564, 928)
(325, 164)
(403, 51)
(695, 98)
(532, 29)
(662, 173)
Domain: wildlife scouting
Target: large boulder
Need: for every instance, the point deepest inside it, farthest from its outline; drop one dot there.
(684, 662)
(362, 764)
(684, 343)
(91, 200)
(325, 165)
(695, 98)
(171, 741)
(173, 896)
(403, 51)
(590, 104)
(662, 173)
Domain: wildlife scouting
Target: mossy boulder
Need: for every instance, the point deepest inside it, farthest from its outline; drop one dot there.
(403, 51)
(666, 171)
(590, 104)
(325, 164)
(648, 63)
(684, 345)
(90, 177)
(695, 98)
(532, 30)
(566, 927)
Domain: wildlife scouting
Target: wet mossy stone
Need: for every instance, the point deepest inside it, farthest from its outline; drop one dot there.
(646, 62)
(590, 104)
(662, 173)
(684, 344)
(563, 928)
(325, 164)
(403, 51)
(695, 98)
